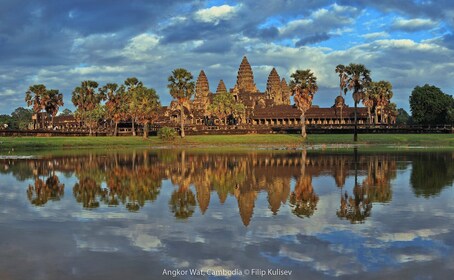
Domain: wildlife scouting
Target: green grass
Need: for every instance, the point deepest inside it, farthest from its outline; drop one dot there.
(226, 142)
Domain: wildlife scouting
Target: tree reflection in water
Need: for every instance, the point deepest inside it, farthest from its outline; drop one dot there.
(431, 173)
(376, 187)
(303, 199)
(182, 201)
(132, 179)
(42, 191)
(87, 191)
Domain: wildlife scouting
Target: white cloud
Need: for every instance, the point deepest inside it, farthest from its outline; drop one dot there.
(216, 13)
(415, 24)
(411, 235)
(141, 46)
(96, 70)
(375, 35)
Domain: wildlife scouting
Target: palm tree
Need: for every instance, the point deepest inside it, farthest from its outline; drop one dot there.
(132, 85)
(340, 69)
(86, 99)
(391, 112)
(116, 103)
(382, 93)
(181, 88)
(35, 96)
(147, 107)
(355, 78)
(304, 86)
(54, 100)
(368, 101)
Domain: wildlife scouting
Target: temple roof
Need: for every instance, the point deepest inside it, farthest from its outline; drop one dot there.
(221, 87)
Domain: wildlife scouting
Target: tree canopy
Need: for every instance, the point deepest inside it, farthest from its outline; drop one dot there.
(224, 105)
(86, 98)
(181, 87)
(355, 78)
(430, 106)
(304, 86)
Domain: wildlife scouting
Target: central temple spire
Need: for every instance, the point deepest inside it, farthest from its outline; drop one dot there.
(245, 78)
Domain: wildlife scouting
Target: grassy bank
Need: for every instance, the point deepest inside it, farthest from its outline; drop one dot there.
(228, 141)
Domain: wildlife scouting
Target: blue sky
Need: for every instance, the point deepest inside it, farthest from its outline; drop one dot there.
(61, 43)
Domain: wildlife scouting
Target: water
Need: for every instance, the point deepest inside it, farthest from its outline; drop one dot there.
(159, 214)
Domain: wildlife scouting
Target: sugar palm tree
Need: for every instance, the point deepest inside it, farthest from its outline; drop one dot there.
(391, 112)
(147, 107)
(35, 97)
(356, 78)
(116, 104)
(181, 88)
(86, 98)
(54, 101)
(132, 85)
(368, 101)
(381, 92)
(304, 86)
(340, 69)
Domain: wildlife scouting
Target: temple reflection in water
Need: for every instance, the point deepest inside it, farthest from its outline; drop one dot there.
(132, 180)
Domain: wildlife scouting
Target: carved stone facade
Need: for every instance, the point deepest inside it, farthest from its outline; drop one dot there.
(245, 79)
(286, 92)
(202, 92)
(273, 87)
(269, 108)
(221, 87)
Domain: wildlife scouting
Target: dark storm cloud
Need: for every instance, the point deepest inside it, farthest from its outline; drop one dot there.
(43, 32)
(84, 16)
(312, 39)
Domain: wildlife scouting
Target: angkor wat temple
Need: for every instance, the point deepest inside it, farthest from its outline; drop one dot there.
(268, 109)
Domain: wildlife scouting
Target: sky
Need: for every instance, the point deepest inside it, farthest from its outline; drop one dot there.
(61, 43)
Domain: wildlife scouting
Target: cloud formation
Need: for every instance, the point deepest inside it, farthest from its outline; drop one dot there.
(60, 44)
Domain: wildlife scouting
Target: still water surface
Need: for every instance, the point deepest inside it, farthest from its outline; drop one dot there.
(142, 214)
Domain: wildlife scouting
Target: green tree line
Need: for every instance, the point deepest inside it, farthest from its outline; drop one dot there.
(140, 105)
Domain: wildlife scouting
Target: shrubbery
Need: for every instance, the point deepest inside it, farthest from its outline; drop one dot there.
(167, 133)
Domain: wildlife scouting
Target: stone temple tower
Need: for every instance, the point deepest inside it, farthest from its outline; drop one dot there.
(286, 92)
(245, 78)
(273, 87)
(202, 91)
(221, 87)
